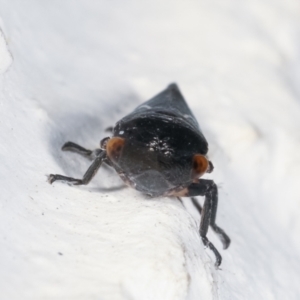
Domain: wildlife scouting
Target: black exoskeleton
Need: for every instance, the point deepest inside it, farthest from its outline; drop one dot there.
(159, 150)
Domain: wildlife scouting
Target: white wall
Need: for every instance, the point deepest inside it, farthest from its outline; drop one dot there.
(71, 68)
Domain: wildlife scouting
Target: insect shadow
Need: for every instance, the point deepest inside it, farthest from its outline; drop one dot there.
(88, 128)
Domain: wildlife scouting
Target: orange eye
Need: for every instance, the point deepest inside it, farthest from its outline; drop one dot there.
(114, 148)
(200, 165)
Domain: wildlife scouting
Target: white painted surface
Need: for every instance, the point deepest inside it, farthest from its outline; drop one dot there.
(5, 57)
(77, 67)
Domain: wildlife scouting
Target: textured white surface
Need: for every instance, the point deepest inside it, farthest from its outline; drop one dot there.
(5, 57)
(77, 67)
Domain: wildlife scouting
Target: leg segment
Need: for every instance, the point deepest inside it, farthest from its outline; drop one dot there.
(219, 231)
(197, 204)
(72, 147)
(109, 129)
(208, 189)
(87, 177)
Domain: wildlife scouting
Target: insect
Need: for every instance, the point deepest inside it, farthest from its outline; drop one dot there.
(159, 150)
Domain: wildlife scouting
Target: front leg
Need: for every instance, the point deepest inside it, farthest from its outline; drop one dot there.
(209, 189)
(87, 177)
(75, 148)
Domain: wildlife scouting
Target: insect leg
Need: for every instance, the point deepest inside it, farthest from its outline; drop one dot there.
(219, 231)
(89, 174)
(109, 129)
(180, 200)
(72, 147)
(208, 189)
(197, 205)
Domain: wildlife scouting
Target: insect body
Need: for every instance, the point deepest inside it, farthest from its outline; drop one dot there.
(159, 150)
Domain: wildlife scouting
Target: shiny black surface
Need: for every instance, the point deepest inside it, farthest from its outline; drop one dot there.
(161, 138)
